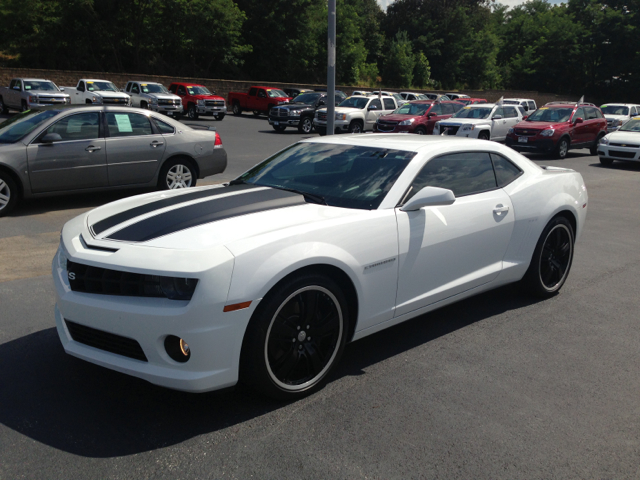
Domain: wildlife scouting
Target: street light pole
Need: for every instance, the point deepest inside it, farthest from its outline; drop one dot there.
(331, 69)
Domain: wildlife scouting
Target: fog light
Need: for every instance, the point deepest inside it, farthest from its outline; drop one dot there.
(177, 349)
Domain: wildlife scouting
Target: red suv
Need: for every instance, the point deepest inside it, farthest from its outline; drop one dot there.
(558, 127)
(418, 117)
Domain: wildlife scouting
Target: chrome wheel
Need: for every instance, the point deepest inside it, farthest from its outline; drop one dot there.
(8, 194)
(179, 176)
(555, 259)
(303, 338)
(236, 109)
(192, 113)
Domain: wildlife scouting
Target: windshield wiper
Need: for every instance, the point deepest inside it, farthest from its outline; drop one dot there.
(314, 198)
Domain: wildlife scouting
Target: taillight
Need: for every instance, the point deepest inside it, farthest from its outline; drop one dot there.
(218, 143)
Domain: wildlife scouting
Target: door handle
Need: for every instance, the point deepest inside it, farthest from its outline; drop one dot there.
(91, 148)
(500, 209)
(155, 143)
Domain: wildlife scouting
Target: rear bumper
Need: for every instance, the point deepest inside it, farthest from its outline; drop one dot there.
(212, 164)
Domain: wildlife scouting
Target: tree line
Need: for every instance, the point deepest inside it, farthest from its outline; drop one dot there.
(580, 47)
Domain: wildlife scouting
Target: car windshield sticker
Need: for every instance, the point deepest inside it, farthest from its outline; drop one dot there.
(74, 125)
(467, 108)
(124, 124)
(27, 87)
(143, 84)
(190, 92)
(544, 108)
(604, 106)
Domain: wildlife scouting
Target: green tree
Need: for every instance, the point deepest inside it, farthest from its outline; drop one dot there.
(398, 68)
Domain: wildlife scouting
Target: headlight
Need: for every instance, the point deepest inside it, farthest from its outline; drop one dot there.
(294, 113)
(67, 100)
(548, 132)
(33, 99)
(617, 123)
(283, 101)
(178, 288)
(341, 116)
(604, 141)
(407, 122)
(467, 127)
(201, 103)
(510, 131)
(95, 99)
(153, 101)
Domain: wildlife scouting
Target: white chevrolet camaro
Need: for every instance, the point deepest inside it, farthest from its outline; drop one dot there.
(265, 280)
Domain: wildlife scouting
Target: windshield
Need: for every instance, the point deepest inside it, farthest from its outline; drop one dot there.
(343, 175)
(355, 102)
(307, 98)
(101, 87)
(413, 109)
(153, 88)
(275, 93)
(632, 125)
(614, 110)
(468, 112)
(41, 86)
(197, 90)
(18, 126)
(545, 114)
(510, 102)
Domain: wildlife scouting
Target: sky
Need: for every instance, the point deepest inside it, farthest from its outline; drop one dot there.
(510, 3)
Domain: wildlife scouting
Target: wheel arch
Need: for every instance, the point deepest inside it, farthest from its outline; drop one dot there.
(15, 177)
(189, 158)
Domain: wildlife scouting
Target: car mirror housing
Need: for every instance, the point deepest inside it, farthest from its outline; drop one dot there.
(429, 197)
(372, 107)
(578, 120)
(51, 137)
(497, 117)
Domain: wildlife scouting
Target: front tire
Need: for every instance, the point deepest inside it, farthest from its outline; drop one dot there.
(421, 131)
(295, 337)
(177, 173)
(562, 149)
(593, 150)
(483, 136)
(192, 113)
(236, 109)
(279, 128)
(23, 106)
(355, 127)
(306, 125)
(607, 162)
(551, 260)
(3, 107)
(219, 116)
(8, 194)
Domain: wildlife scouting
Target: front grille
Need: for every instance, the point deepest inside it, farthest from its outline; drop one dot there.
(116, 101)
(386, 128)
(451, 129)
(624, 145)
(526, 132)
(322, 116)
(50, 101)
(168, 102)
(214, 103)
(83, 278)
(387, 122)
(109, 342)
(616, 153)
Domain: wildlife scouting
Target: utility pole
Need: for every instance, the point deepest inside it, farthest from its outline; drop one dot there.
(331, 69)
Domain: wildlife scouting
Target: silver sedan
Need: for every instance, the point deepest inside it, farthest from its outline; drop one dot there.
(61, 150)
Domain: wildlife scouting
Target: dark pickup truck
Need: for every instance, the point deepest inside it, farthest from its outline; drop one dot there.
(301, 111)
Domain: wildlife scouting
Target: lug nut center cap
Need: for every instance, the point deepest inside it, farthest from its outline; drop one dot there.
(302, 335)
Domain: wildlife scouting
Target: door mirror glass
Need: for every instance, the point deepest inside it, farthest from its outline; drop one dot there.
(429, 197)
(51, 137)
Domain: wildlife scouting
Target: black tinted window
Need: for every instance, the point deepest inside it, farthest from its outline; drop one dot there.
(447, 109)
(83, 126)
(164, 127)
(510, 112)
(463, 173)
(389, 104)
(376, 103)
(506, 172)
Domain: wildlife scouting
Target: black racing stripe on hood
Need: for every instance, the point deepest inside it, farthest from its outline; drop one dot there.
(207, 212)
(121, 217)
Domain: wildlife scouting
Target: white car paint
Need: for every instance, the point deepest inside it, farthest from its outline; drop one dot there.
(386, 253)
(495, 126)
(623, 146)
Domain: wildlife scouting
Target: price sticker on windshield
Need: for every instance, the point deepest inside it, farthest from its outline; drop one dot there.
(543, 108)
(466, 108)
(89, 82)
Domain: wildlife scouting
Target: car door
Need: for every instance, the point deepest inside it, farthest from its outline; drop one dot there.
(13, 96)
(498, 125)
(444, 251)
(135, 94)
(580, 130)
(389, 105)
(134, 148)
(512, 117)
(181, 91)
(374, 110)
(75, 161)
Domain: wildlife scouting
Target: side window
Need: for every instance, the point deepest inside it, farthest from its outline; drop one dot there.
(506, 172)
(498, 111)
(163, 126)
(436, 109)
(82, 126)
(253, 92)
(172, 88)
(14, 84)
(128, 87)
(522, 111)
(447, 109)
(579, 114)
(463, 173)
(375, 103)
(532, 105)
(510, 112)
(389, 104)
(262, 94)
(123, 124)
(81, 86)
(457, 106)
(411, 97)
(135, 88)
(182, 91)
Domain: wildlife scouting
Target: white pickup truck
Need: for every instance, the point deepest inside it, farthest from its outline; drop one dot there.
(27, 93)
(154, 96)
(98, 92)
(356, 114)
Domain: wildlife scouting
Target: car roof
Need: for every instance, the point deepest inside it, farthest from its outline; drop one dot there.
(95, 80)
(143, 81)
(32, 79)
(520, 99)
(479, 105)
(620, 104)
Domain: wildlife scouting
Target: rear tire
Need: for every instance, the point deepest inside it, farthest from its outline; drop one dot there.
(177, 173)
(8, 194)
(236, 109)
(551, 259)
(295, 337)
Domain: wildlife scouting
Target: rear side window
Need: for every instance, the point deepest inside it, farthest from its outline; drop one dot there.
(123, 124)
(436, 109)
(163, 126)
(447, 109)
(522, 112)
(510, 112)
(532, 105)
(253, 91)
(389, 104)
(506, 172)
(463, 173)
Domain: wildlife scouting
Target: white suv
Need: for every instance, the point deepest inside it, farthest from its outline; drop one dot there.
(618, 113)
(486, 121)
(356, 114)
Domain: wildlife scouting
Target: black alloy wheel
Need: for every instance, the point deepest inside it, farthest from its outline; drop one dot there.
(483, 136)
(562, 149)
(295, 337)
(192, 113)
(236, 109)
(306, 125)
(551, 260)
(607, 162)
(8, 194)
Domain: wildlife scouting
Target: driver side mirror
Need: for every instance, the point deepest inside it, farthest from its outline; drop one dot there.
(372, 107)
(497, 117)
(429, 197)
(49, 138)
(578, 120)
(321, 102)
(431, 114)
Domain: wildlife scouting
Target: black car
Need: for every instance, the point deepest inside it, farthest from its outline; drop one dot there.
(294, 92)
(300, 112)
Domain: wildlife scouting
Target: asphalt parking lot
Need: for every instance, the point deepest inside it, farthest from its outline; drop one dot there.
(498, 386)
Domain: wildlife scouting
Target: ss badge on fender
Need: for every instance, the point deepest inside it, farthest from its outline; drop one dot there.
(71, 275)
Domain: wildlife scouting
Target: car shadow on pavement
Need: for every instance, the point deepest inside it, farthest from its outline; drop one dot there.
(627, 166)
(86, 410)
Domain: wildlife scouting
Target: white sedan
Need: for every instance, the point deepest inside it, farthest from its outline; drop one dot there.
(623, 144)
(266, 279)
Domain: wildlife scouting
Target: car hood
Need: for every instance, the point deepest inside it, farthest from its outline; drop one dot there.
(207, 97)
(397, 117)
(202, 218)
(463, 121)
(45, 93)
(541, 125)
(110, 94)
(631, 138)
(162, 96)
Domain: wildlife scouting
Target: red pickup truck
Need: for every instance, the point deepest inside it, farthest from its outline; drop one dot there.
(198, 100)
(258, 100)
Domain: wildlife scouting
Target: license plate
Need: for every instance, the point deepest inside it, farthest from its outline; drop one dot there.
(523, 139)
(170, 113)
(276, 123)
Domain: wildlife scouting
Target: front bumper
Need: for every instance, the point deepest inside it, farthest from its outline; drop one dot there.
(381, 128)
(340, 125)
(214, 337)
(285, 121)
(533, 144)
(166, 108)
(208, 110)
(627, 154)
